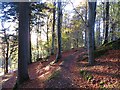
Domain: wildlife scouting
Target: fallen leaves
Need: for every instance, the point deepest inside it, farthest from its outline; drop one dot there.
(105, 70)
(104, 74)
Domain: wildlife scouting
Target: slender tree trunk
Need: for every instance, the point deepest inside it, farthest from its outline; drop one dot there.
(37, 46)
(53, 30)
(93, 31)
(86, 28)
(6, 52)
(59, 25)
(47, 36)
(4, 60)
(6, 63)
(38, 28)
(30, 50)
(99, 38)
(30, 38)
(107, 23)
(91, 24)
(30, 60)
(23, 45)
(103, 22)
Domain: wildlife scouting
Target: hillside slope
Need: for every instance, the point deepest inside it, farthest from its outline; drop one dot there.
(72, 71)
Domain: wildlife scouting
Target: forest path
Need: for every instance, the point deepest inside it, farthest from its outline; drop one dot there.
(69, 74)
(66, 73)
(60, 74)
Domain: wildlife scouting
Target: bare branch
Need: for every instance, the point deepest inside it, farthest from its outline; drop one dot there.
(79, 14)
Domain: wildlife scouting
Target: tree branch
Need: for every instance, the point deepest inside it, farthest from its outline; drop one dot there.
(78, 14)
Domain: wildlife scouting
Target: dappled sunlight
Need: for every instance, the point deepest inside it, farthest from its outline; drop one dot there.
(42, 73)
(106, 69)
(61, 44)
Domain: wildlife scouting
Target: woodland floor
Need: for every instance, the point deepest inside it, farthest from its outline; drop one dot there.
(72, 72)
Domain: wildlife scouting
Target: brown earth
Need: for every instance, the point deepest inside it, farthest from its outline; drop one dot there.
(72, 72)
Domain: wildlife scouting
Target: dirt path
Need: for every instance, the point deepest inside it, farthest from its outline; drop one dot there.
(39, 73)
(66, 73)
(68, 76)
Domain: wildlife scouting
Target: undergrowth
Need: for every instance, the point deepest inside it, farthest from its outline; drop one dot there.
(114, 45)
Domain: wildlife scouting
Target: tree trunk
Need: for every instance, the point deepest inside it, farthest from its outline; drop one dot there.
(53, 29)
(91, 24)
(6, 52)
(30, 60)
(47, 36)
(30, 38)
(37, 39)
(99, 37)
(59, 25)
(23, 45)
(30, 50)
(103, 22)
(86, 28)
(6, 61)
(107, 23)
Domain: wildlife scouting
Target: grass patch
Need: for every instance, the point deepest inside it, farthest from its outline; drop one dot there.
(89, 77)
(102, 83)
(103, 88)
(86, 75)
(82, 72)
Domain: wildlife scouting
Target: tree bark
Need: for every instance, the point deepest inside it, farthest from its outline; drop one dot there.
(91, 25)
(30, 60)
(53, 29)
(30, 37)
(86, 28)
(99, 37)
(103, 22)
(47, 35)
(23, 45)
(30, 50)
(107, 23)
(6, 61)
(59, 25)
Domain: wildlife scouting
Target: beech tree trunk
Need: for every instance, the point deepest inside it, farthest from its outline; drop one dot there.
(6, 61)
(107, 23)
(53, 29)
(86, 28)
(99, 37)
(29, 17)
(59, 25)
(48, 35)
(91, 25)
(103, 22)
(23, 45)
